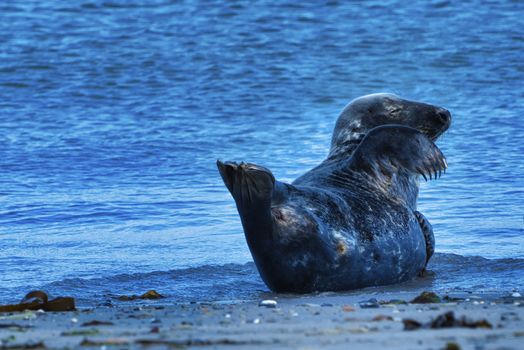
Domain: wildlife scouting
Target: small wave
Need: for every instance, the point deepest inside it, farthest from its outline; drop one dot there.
(447, 273)
(208, 282)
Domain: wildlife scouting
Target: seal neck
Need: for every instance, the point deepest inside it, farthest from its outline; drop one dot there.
(345, 149)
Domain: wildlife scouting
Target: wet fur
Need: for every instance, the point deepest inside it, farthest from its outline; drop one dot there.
(351, 222)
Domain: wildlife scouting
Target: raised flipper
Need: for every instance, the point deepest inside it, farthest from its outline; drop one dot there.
(249, 184)
(391, 149)
(427, 230)
(391, 154)
(254, 189)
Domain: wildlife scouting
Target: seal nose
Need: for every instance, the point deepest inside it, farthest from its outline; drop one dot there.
(444, 116)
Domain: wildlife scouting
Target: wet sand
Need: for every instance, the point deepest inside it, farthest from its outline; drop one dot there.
(326, 321)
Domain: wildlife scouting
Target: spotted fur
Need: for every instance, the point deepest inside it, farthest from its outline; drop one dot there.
(351, 222)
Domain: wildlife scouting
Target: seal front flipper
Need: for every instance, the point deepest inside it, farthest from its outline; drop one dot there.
(397, 151)
(427, 230)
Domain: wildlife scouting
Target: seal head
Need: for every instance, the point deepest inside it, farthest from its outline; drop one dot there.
(367, 112)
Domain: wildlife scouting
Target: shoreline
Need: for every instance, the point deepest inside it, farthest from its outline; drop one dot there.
(324, 321)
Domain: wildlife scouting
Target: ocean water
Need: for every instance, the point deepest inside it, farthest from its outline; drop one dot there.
(113, 112)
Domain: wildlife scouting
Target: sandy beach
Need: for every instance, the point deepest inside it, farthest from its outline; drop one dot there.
(325, 321)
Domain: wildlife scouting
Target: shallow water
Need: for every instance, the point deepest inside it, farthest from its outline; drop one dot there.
(112, 114)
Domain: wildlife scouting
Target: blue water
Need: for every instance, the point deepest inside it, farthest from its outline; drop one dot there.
(112, 114)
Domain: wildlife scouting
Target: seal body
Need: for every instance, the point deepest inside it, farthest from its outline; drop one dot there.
(350, 222)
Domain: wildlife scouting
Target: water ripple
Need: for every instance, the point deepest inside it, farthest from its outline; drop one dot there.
(112, 114)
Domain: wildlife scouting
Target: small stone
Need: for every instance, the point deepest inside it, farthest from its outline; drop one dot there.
(410, 324)
(74, 320)
(369, 304)
(268, 303)
(516, 295)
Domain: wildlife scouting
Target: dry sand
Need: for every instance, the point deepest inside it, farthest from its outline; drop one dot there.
(325, 321)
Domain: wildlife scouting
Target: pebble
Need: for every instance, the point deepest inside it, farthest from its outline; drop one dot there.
(516, 295)
(268, 303)
(369, 304)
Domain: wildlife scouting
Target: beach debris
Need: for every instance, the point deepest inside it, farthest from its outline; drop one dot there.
(149, 295)
(446, 320)
(452, 346)
(271, 304)
(103, 342)
(78, 332)
(38, 300)
(426, 298)
(14, 327)
(410, 324)
(97, 323)
(379, 318)
(393, 302)
(195, 342)
(26, 346)
(369, 304)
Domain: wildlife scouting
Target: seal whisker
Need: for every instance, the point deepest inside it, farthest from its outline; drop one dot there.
(422, 173)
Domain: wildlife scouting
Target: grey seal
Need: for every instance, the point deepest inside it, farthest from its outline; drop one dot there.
(350, 222)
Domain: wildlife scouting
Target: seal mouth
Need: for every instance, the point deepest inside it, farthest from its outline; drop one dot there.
(434, 136)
